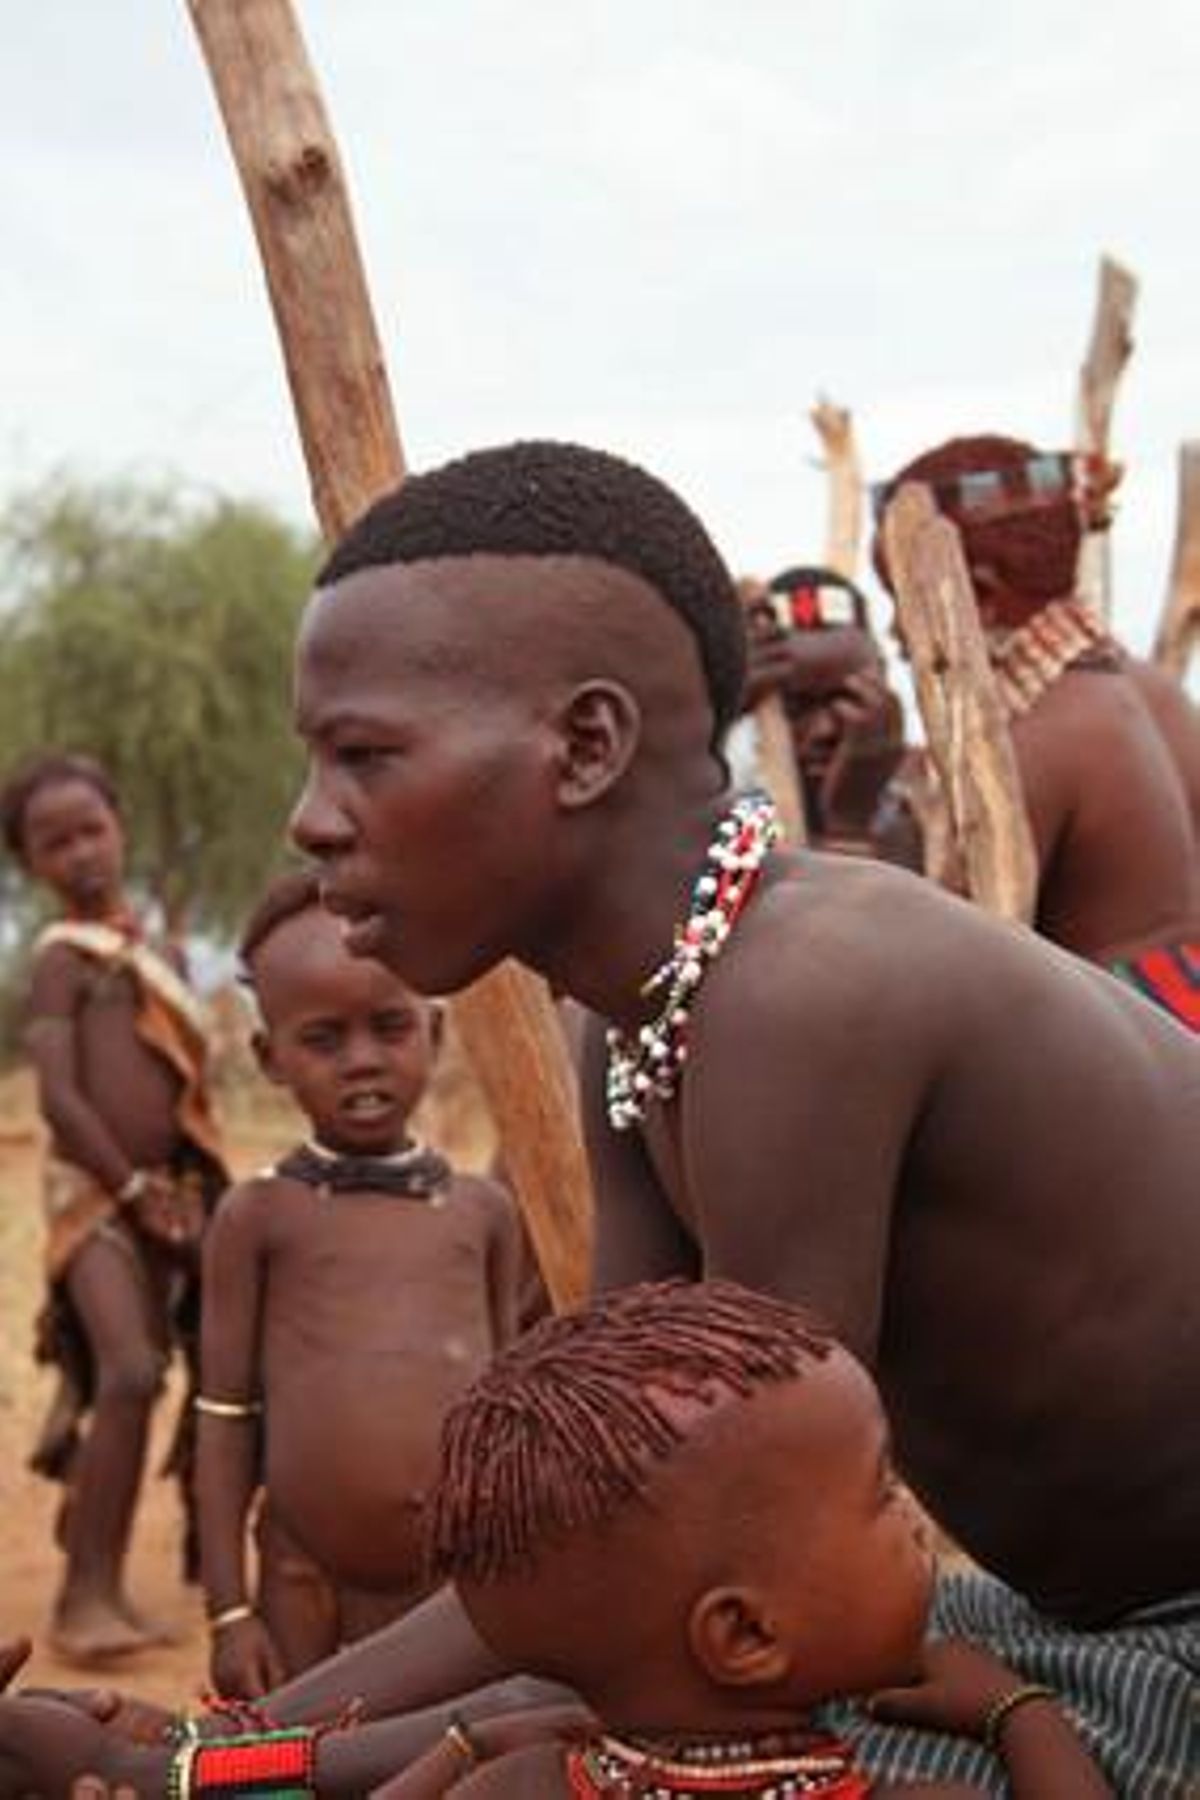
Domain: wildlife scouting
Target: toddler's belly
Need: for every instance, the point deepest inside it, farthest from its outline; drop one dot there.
(350, 1455)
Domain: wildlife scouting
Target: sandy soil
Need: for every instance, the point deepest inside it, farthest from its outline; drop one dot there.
(29, 1561)
(259, 1124)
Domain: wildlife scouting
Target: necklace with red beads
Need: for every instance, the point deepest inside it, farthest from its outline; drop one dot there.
(646, 1065)
(781, 1766)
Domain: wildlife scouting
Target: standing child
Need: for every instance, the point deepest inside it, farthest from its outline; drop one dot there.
(118, 1049)
(354, 1291)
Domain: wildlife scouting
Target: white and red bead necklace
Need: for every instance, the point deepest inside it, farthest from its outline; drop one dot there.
(646, 1065)
(779, 1767)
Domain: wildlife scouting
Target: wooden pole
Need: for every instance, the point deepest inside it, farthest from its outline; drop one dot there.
(1180, 622)
(835, 428)
(1109, 349)
(291, 174)
(965, 722)
(776, 760)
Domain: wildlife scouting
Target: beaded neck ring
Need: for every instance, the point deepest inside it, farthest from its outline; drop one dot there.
(784, 1766)
(1030, 659)
(646, 1065)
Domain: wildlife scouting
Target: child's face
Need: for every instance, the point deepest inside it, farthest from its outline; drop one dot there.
(853, 1561)
(350, 1042)
(74, 843)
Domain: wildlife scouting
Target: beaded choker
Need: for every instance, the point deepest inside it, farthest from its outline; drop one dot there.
(415, 1173)
(783, 1766)
(646, 1066)
(1029, 660)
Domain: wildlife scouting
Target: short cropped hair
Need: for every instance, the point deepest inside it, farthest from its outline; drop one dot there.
(558, 499)
(562, 1430)
(294, 892)
(52, 768)
(1034, 552)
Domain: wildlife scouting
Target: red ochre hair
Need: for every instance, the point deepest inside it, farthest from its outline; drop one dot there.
(562, 1429)
(1034, 552)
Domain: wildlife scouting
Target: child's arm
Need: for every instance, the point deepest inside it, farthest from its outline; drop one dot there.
(516, 1753)
(55, 994)
(505, 1263)
(968, 1691)
(244, 1661)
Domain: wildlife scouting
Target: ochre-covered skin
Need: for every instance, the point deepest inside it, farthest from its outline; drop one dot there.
(974, 1156)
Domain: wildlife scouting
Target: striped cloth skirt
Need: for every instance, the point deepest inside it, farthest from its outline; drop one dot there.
(1170, 976)
(1132, 1691)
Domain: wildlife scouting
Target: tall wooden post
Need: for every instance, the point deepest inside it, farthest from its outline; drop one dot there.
(835, 428)
(1109, 349)
(1180, 622)
(294, 186)
(776, 759)
(965, 722)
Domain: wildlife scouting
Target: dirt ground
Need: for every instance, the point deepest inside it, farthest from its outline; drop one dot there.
(259, 1124)
(29, 1562)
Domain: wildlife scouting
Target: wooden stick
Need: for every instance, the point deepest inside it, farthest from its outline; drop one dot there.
(290, 171)
(777, 767)
(774, 750)
(1180, 622)
(1109, 350)
(835, 427)
(964, 721)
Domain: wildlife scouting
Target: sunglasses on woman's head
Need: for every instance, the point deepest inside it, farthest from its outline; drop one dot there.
(1052, 475)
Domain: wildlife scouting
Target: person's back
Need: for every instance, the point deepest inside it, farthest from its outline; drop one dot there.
(983, 1322)
(353, 1290)
(1108, 803)
(1176, 717)
(1110, 817)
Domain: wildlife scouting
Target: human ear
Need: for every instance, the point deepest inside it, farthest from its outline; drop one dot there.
(260, 1043)
(437, 1027)
(599, 725)
(734, 1639)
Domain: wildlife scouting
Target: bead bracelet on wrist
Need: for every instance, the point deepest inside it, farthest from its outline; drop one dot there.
(1001, 1710)
(133, 1188)
(229, 1615)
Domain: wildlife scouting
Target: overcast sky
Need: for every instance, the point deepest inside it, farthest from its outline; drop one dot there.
(661, 226)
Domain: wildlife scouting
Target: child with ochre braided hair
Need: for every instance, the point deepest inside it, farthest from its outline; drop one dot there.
(688, 1513)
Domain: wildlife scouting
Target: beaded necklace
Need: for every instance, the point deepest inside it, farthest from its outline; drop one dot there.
(1029, 660)
(414, 1173)
(646, 1066)
(781, 1766)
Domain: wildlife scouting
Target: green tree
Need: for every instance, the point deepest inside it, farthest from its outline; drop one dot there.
(156, 635)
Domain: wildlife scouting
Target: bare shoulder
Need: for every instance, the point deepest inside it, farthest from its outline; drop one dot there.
(1107, 704)
(836, 939)
(247, 1205)
(58, 976)
(1161, 690)
(489, 1199)
(1173, 710)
